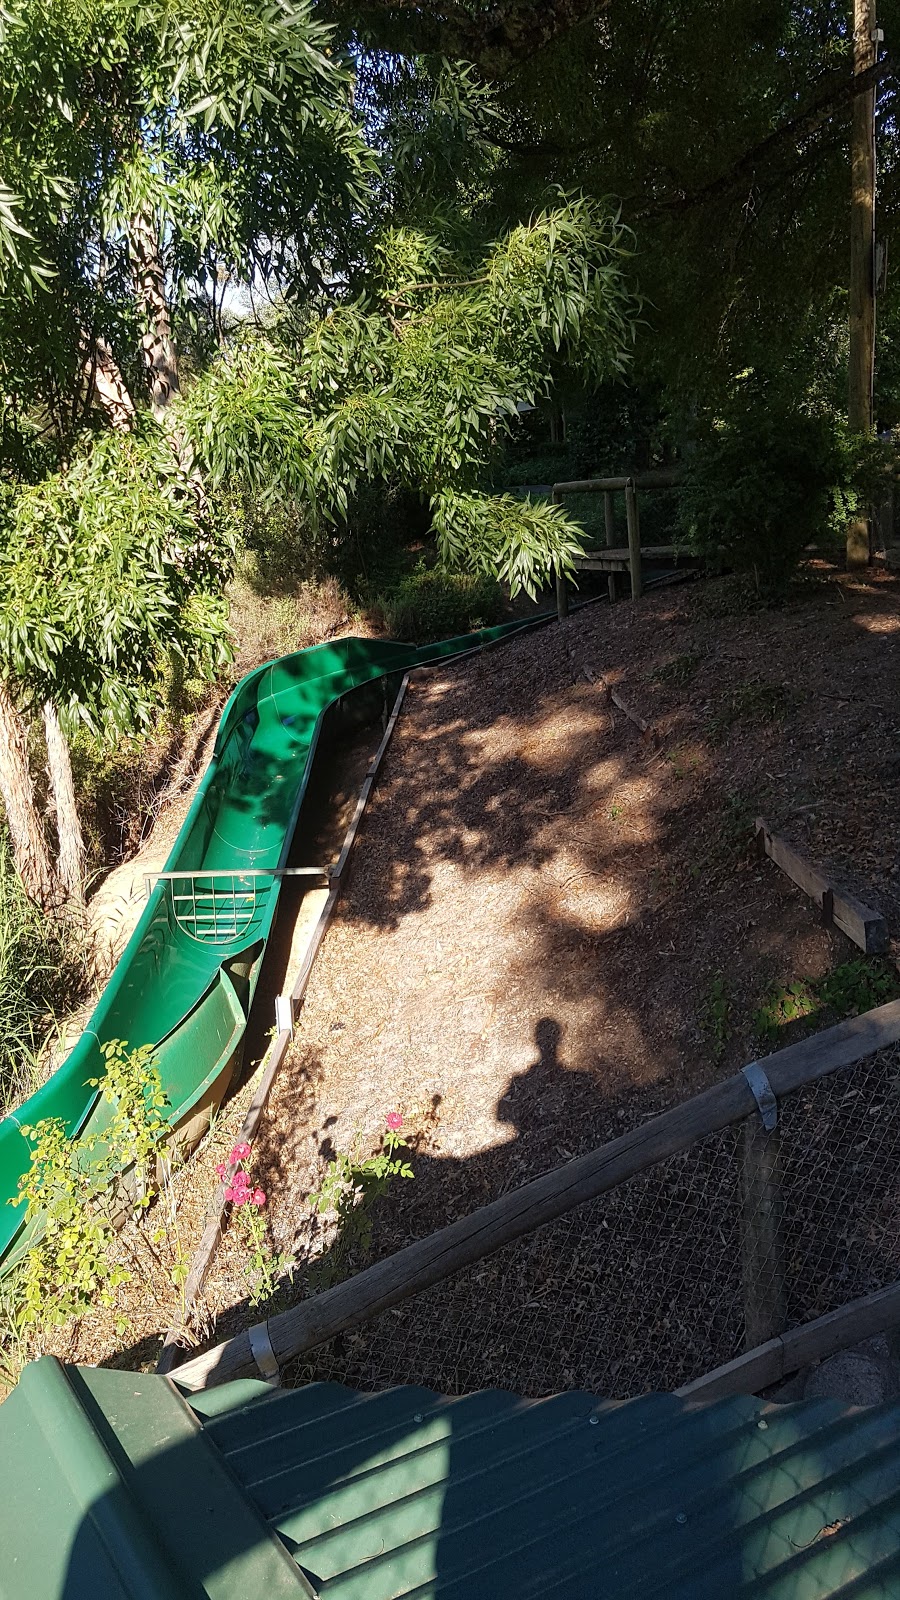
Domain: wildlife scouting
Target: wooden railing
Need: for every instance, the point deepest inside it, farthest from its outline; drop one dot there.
(737, 1099)
(661, 479)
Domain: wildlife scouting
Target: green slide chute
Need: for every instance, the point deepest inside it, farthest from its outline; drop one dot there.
(185, 981)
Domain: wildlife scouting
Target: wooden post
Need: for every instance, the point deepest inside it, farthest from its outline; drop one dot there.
(634, 540)
(862, 257)
(761, 1257)
(562, 587)
(609, 522)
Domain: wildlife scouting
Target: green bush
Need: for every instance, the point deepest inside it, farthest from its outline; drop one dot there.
(768, 477)
(431, 603)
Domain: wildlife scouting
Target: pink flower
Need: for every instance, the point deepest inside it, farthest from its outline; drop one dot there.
(239, 1197)
(240, 1152)
(258, 1197)
(394, 1121)
(240, 1180)
(220, 1169)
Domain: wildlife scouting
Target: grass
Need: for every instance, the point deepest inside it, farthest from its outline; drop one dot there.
(715, 1014)
(678, 672)
(43, 974)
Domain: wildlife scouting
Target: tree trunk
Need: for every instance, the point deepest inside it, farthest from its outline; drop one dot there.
(72, 855)
(105, 379)
(149, 274)
(30, 852)
(160, 351)
(862, 257)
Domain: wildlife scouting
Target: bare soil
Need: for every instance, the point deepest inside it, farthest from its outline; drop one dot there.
(556, 925)
(553, 920)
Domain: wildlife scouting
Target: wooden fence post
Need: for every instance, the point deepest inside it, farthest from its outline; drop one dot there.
(761, 1246)
(562, 587)
(634, 540)
(609, 523)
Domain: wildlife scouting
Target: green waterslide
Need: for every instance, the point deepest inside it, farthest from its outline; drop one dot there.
(185, 981)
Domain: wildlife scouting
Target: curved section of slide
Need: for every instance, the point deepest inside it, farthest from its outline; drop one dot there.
(185, 981)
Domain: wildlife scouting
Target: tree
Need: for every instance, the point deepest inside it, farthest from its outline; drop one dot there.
(106, 572)
(722, 130)
(137, 151)
(418, 381)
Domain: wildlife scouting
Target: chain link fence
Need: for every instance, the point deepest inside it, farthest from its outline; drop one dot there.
(673, 1273)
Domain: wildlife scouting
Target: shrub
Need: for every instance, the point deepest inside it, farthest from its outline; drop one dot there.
(766, 478)
(74, 1192)
(431, 603)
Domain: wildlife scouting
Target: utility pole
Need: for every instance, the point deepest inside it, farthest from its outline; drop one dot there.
(862, 256)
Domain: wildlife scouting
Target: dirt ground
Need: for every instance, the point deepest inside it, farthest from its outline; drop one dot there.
(556, 925)
(553, 920)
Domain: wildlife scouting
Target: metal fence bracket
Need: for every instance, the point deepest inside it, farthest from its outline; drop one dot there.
(763, 1094)
(263, 1354)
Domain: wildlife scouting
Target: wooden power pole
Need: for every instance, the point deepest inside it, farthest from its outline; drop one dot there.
(862, 256)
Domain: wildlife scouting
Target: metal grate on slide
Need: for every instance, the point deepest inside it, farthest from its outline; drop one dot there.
(217, 909)
(218, 906)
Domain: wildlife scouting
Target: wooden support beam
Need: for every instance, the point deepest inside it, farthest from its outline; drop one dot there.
(625, 706)
(634, 540)
(656, 478)
(472, 1237)
(609, 523)
(867, 928)
(799, 1347)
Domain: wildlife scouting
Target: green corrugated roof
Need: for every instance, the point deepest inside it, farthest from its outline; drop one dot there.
(113, 1485)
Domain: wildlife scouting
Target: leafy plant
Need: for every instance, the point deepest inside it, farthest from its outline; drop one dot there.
(264, 1267)
(858, 986)
(783, 1004)
(849, 989)
(76, 1190)
(752, 702)
(416, 386)
(431, 603)
(350, 1188)
(715, 1015)
(768, 475)
(679, 671)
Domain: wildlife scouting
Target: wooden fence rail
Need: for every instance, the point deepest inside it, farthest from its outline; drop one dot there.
(613, 559)
(429, 1261)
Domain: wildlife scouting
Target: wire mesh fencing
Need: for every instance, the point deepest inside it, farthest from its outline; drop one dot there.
(673, 1273)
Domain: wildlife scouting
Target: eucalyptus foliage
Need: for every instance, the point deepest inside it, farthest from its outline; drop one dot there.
(105, 573)
(419, 381)
(228, 129)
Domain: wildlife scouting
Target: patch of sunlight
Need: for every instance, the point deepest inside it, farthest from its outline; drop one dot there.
(878, 621)
(551, 740)
(386, 1513)
(587, 898)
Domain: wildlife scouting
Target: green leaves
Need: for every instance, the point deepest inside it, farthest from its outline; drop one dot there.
(105, 570)
(74, 1192)
(417, 386)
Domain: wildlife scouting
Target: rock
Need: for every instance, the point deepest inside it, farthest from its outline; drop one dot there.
(865, 1376)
